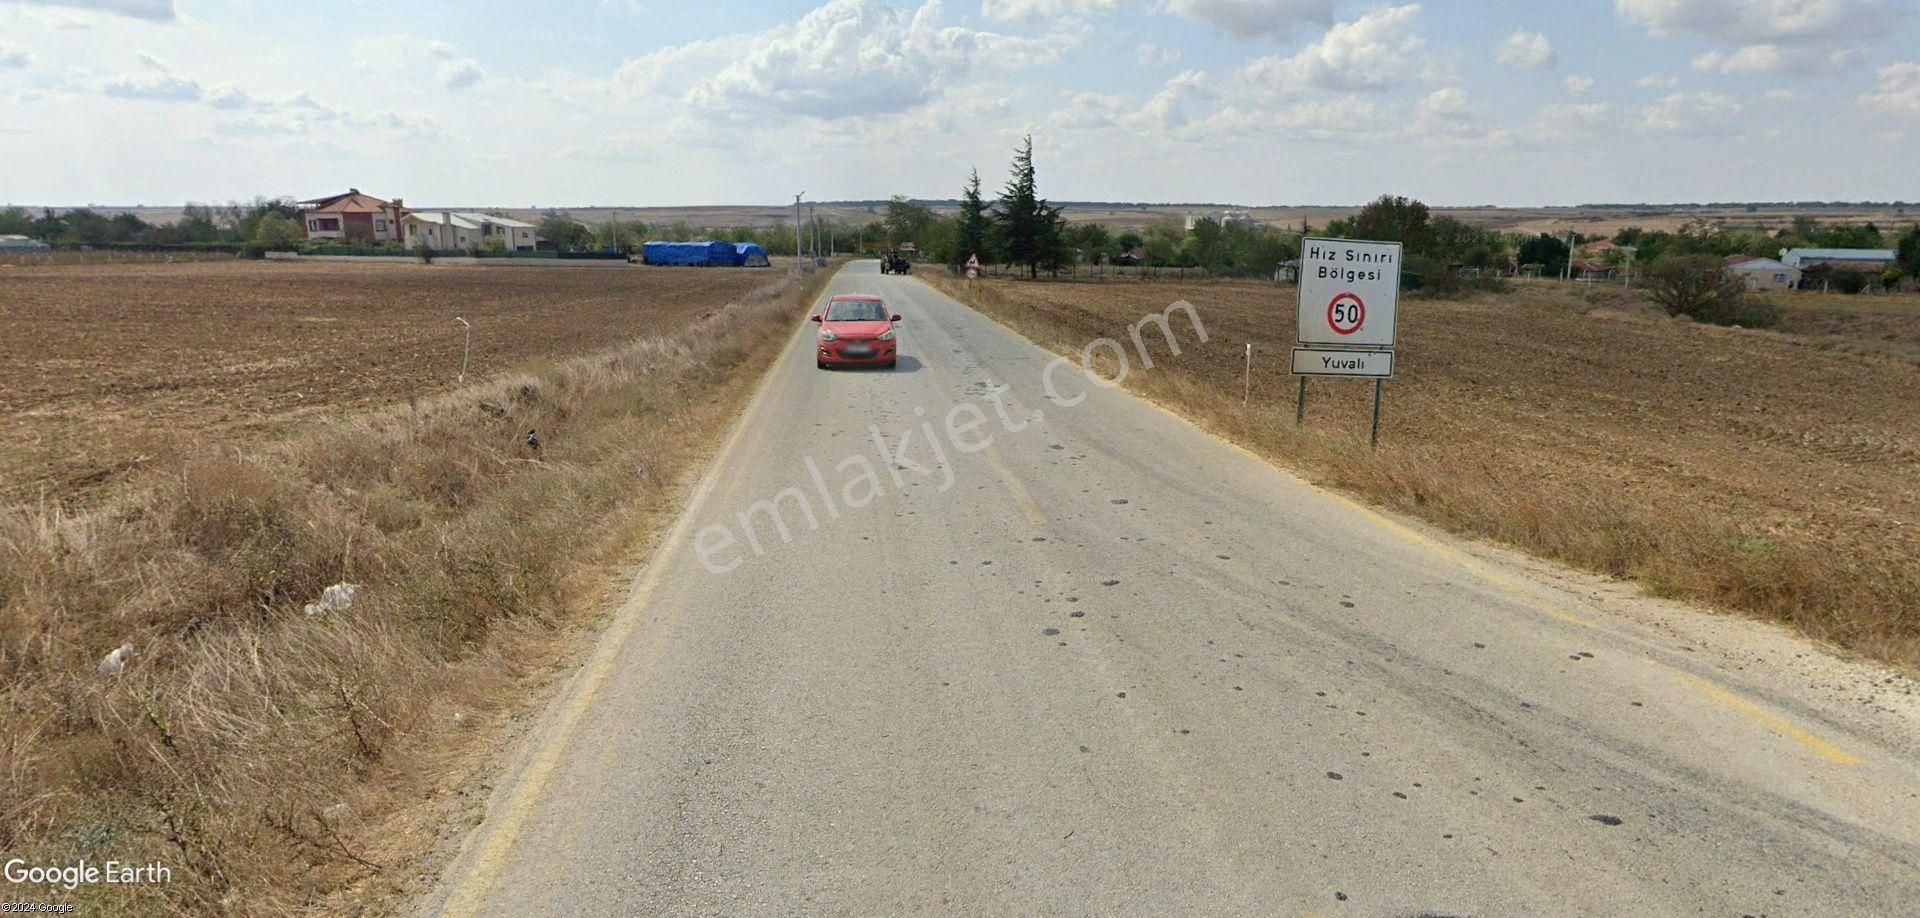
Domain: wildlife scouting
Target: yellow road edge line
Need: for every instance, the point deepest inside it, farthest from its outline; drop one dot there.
(468, 894)
(1775, 722)
(1012, 482)
(1014, 487)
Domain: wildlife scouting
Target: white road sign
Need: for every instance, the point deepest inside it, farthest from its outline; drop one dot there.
(973, 266)
(1349, 293)
(1327, 361)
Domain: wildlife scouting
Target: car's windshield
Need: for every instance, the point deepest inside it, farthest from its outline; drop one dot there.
(856, 311)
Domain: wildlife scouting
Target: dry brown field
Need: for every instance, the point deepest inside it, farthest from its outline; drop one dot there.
(104, 368)
(1776, 472)
(283, 759)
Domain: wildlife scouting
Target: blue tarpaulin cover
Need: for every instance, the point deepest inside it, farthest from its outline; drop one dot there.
(749, 255)
(700, 254)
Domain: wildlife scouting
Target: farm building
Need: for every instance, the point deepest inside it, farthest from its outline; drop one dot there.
(749, 255)
(1235, 218)
(694, 254)
(354, 217)
(11, 245)
(1869, 260)
(1763, 273)
(458, 229)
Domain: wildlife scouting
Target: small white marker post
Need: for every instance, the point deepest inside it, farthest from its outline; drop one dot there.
(1247, 396)
(466, 354)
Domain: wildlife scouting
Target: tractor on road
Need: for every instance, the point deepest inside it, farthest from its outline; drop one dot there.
(895, 261)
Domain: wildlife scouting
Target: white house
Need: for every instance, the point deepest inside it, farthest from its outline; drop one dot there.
(1225, 218)
(1764, 273)
(447, 230)
(1869, 260)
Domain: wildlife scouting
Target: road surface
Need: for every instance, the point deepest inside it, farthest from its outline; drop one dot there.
(1113, 665)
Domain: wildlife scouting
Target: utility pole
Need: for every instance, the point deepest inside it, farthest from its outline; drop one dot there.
(1566, 273)
(813, 227)
(796, 227)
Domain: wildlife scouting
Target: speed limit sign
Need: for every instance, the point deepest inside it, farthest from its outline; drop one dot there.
(1345, 314)
(1349, 292)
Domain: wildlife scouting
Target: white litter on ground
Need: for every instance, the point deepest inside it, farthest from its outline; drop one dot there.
(113, 663)
(336, 598)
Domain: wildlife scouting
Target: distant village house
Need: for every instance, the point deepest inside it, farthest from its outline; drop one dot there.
(354, 217)
(1763, 273)
(1871, 261)
(447, 230)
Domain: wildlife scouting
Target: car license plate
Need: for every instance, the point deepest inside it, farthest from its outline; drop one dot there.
(856, 351)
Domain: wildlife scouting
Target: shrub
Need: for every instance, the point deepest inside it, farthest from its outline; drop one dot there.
(1697, 286)
(1847, 280)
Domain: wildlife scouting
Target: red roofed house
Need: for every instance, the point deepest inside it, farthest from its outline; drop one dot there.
(355, 217)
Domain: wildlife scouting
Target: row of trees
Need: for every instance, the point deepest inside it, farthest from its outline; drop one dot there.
(273, 222)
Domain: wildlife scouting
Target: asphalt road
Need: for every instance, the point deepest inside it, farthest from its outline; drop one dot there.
(1117, 666)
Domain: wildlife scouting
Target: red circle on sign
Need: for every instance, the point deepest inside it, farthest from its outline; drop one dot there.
(1359, 314)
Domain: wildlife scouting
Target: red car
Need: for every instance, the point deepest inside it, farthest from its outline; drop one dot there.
(856, 330)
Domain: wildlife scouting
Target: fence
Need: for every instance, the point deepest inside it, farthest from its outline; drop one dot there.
(1104, 273)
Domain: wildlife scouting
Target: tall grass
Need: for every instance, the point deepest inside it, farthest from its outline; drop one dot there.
(272, 758)
(1824, 584)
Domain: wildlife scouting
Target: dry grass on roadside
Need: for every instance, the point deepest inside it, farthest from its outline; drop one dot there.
(272, 758)
(1770, 473)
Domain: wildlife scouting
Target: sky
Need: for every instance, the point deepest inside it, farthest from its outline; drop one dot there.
(1258, 102)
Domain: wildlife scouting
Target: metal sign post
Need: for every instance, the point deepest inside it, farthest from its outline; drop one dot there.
(1347, 317)
(1373, 441)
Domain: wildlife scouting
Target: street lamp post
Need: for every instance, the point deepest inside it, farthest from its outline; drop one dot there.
(796, 227)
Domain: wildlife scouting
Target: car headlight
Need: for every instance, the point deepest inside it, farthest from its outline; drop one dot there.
(827, 335)
(886, 335)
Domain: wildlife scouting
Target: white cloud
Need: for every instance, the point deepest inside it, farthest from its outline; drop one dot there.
(252, 115)
(1693, 113)
(1559, 122)
(1775, 59)
(1032, 11)
(1449, 103)
(1368, 53)
(1167, 110)
(462, 73)
(1757, 21)
(1527, 51)
(154, 10)
(1657, 81)
(1248, 18)
(846, 59)
(1578, 85)
(1152, 55)
(156, 83)
(1807, 37)
(1897, 91)
(12, 58)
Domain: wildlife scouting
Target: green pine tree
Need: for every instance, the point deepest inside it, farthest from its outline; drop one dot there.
(1026, 229)
(971, 235)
